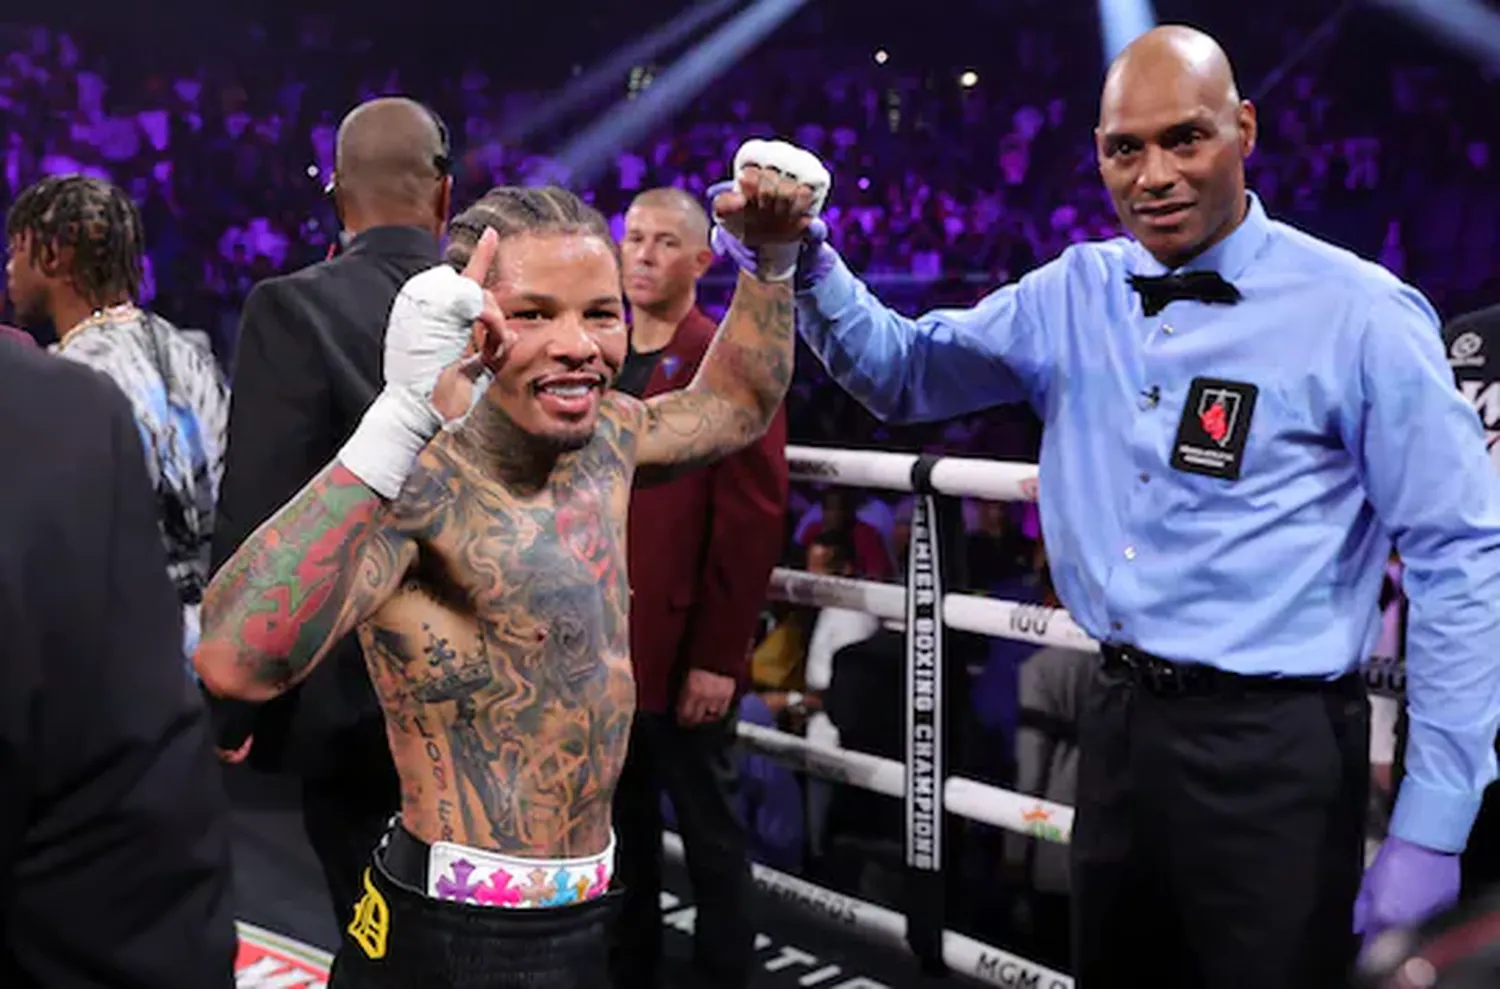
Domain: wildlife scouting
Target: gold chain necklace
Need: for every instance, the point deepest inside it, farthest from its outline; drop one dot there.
(121, 313)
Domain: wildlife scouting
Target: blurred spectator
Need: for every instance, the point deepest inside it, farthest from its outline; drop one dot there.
(872, 558)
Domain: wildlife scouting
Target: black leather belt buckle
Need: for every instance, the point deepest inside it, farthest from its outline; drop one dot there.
(1159, 676)
(1169, 680)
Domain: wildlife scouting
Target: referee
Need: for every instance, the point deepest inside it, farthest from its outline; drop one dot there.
(1239, 421)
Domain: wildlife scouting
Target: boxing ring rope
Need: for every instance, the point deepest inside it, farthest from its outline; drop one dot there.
(964, 797)
(929, 793)
(961, 612)
(960, 953)
(958, 477)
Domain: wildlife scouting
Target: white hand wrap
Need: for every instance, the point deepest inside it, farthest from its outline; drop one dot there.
(429, 329)
(778, 262)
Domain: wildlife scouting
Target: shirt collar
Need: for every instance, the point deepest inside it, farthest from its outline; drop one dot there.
(1229, 257)
(405, 241)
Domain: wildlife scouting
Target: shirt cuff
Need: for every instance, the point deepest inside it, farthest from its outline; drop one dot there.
(1436, 819)
(833, 292)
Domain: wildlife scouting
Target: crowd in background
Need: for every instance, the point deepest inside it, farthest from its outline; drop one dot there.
(942, 191)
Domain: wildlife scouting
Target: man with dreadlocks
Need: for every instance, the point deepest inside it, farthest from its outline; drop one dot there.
(76, 252)
(483, 566)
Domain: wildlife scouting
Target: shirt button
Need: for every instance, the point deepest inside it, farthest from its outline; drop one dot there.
(1129, 552)
(1166, 328)
(1116, 626)
(1144, 477)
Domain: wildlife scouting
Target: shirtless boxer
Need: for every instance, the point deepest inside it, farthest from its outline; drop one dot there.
(491, 595)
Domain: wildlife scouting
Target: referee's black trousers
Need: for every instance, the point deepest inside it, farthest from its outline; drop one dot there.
(1218, 840)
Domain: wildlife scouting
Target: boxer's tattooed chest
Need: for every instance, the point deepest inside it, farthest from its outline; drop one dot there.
(504, 663)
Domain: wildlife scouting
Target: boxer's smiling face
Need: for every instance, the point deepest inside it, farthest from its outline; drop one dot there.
(560, 293)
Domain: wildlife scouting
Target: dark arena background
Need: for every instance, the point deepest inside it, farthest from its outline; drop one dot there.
(959, 135)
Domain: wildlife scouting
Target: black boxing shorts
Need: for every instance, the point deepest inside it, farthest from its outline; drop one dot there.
(404, 938)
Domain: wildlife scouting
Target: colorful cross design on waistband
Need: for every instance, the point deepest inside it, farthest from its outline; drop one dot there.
(557, 887)
(458, 888)
(539, 887)
(499, 891)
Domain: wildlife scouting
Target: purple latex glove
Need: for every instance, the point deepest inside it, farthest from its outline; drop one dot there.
(1406, 885)
(815, 261)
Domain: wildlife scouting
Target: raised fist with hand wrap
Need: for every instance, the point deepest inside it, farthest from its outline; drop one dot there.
(768, 212)
(445, 338)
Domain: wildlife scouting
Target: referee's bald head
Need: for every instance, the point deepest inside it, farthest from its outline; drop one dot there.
(389, 165)
(1172, 141)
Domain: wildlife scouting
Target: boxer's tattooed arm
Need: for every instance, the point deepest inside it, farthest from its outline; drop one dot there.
(317, 568)
(738, 388)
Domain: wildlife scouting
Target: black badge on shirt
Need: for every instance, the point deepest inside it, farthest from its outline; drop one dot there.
(1215, 425)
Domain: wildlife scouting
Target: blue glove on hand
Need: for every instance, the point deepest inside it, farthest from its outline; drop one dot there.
(1406, 885)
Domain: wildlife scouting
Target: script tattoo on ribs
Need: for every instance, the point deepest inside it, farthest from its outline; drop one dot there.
(458, 681)
(503, 663)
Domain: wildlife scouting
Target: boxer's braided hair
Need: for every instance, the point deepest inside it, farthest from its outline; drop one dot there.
(95, 222)
(515, 210)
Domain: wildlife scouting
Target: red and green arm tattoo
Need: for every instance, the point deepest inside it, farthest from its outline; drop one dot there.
(304, 580)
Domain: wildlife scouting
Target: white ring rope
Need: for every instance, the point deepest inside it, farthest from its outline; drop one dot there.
(964, 797)
(962, 954)
(962, 612)
(958, 477)
(990, 616)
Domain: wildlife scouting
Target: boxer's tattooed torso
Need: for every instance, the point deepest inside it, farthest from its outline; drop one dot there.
(503, 660)
(494, 618)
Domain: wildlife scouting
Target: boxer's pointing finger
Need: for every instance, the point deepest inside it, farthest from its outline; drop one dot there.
(482, 261)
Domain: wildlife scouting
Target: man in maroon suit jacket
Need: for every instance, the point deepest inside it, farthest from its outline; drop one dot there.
(701, 552)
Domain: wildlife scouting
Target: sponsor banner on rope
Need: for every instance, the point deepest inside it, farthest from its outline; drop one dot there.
(783, 963)
(270, 961)
(806, 468)
(1032, 620)
(924, 683)
(857, 919)
(998, 968)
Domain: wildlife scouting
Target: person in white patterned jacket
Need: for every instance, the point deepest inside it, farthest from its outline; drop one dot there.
(76, 249)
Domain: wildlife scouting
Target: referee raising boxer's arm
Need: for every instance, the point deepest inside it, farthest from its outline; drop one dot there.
(1239, 422)
(327, 560)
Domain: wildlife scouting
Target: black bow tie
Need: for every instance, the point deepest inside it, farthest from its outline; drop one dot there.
(1204, 286)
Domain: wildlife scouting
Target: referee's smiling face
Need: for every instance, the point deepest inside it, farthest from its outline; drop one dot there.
(1172, 140)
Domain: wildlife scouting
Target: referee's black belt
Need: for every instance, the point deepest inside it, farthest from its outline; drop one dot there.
(1167, 678)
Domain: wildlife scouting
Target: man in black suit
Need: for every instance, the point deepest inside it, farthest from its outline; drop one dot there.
(307, 367)
(1473, 343)
(114, 844)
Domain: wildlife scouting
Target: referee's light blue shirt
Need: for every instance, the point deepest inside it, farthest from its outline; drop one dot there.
(1358, 438)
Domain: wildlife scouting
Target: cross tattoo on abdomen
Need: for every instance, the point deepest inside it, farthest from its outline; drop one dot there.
(473, 760)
